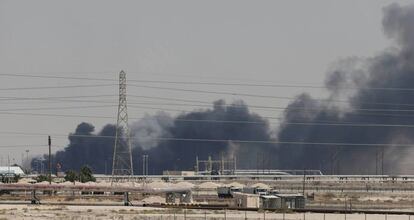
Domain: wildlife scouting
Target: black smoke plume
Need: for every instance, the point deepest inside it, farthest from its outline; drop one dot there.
(359, 92)
(149, 133)
(370, 102)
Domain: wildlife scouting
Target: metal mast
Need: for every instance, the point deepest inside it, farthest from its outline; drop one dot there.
(122, 159)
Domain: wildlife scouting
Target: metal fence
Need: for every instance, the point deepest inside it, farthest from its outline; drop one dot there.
(173, 214)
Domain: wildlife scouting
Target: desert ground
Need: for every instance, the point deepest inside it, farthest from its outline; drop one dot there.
(29, 212)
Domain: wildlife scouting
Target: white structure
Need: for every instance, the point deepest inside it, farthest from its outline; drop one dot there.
(16, 170)
(244, 200)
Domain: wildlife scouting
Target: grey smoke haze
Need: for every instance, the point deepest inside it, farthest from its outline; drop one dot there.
(391, 69)
(348, 82)
(398, 25)
(144, 133)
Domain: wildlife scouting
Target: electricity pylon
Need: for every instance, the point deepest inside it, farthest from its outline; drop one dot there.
(122, 160)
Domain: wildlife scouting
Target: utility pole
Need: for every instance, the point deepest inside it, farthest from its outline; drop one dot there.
(263, 163)
(144, 165)
(196, 166)
(27, 161)
(50, 159)
(304, 181)
(210, 164)
(8, 164)
(8, 168)
(376, 162)
(222, 164)
(382, 160)
(234, 165)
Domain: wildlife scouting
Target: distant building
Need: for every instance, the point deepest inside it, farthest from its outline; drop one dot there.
(243, 200)
(270, 202)
(178, 173)
(292, 201)
(11, 170)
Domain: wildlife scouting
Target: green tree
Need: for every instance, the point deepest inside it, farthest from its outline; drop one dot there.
(42, 178)
(86, 175)
(71, 176)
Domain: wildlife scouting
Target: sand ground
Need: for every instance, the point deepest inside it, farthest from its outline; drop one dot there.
(29, 212)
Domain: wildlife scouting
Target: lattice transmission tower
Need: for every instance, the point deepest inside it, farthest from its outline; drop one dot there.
(122, 159)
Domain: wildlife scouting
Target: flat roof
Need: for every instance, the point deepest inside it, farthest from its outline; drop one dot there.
(288, 195)
(269, 196)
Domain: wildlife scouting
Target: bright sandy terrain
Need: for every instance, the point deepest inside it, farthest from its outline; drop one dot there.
(338, 195)
(20, 212)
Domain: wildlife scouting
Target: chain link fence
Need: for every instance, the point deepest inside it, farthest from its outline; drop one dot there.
(183, 214)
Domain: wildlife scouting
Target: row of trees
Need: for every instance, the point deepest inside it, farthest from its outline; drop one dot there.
(84, 175)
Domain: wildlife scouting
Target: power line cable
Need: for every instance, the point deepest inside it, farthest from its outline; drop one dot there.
(57, 87)
(13, 98)
(55, 108)
(240, 94)
(145, 106)
(26, 146)
(66, 99)
(233, 106)
(319, 123)
(143, 73)
(237, 141)
(214, 83)
(229, 84)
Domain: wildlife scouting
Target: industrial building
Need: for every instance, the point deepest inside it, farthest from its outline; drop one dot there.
(11, 170)
(260, 196)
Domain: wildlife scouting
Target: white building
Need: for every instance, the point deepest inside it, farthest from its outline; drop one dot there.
(16, 170)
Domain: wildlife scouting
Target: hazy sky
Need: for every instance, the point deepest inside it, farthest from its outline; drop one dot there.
(280, 41)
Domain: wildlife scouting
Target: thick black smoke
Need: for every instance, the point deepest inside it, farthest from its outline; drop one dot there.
(176, 154)
(158, 136)
(357, 94)
(85, 148)
(391, 69)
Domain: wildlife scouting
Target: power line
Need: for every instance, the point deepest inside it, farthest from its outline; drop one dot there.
(276, 108)
(142, 105)
(26, 146)
(56, 87)
(228, 84)
(235, 141)
(66, 99)
(318, 123)
(55, 108)
(13, 98)
(246, 94)
(141, 73)
(212, 83)
(55, 115)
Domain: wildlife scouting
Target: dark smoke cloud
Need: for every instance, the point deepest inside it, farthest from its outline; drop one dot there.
(97, 152)
(392, 69)
(398, 24)
(181, 154)
(348, 82)
(85, 149)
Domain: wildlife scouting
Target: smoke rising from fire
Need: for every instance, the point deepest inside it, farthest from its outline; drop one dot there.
(360, 91)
